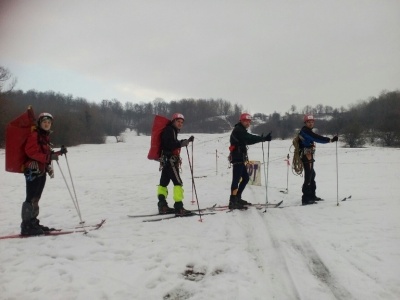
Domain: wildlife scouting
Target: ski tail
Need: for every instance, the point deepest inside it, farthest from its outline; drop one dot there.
(85, 229)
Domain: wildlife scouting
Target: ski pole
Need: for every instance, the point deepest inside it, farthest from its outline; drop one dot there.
(192, 174)
(266, 176)
(73, 187)
(194, 185)
(74, 200)
(337, 177)
(69, 190)
(287, 175)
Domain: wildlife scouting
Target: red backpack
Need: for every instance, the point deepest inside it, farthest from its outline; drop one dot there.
(17, 132)
(159, 124)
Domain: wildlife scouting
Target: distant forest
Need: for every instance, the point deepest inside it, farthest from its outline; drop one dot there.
(373, 121)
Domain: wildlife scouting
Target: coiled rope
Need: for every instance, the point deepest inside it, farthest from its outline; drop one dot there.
(297, 164)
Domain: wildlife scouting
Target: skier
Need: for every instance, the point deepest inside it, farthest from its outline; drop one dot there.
(39, 153)
(170, 164)
(239, 140)
(307, 140)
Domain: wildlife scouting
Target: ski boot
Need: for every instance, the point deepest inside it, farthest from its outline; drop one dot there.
(31, 228)
(242, 201)
(180, 211)
(164, 209)
(44, 228)
(234, 203)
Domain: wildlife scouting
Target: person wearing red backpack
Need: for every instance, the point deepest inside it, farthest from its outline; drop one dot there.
(38, 164)
(170, 164)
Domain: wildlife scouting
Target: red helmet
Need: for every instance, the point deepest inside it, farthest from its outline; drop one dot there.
(44, 116)
(245, 117)
(308, 118)
(177, 116)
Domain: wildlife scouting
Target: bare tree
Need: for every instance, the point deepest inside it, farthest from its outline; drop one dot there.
(7, 84)
(5, 76)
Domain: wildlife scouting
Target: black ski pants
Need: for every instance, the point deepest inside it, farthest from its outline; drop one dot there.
(34, 189)
(309, 185)
(239, 172)
(170, 171)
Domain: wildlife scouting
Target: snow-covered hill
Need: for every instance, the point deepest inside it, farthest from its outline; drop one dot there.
(324, 251)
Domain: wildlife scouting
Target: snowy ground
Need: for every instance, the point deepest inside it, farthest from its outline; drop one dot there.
(324, 251)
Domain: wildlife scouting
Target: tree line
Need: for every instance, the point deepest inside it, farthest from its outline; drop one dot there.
(77, 121)
(374, 121)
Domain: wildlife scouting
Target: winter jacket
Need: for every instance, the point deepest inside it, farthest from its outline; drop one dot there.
(38, 150)
(308, 138)
(239, 140)
(170, 145)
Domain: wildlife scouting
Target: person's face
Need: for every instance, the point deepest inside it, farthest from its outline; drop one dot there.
(178, 123)
(310, 124)
(246, 123)
(46, 124)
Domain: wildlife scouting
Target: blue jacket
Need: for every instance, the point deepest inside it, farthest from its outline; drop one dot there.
(308, 138)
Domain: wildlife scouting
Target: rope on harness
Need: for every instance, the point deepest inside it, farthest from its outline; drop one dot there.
(297, 164)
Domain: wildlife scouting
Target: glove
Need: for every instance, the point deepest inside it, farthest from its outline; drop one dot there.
(54, 155)
(63, 150)
(50, 171)
(184, 143)
(191, 139)
(267, 138)
(334, 139)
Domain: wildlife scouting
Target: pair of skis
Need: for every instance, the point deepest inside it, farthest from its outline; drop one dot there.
(257, 206)
(204, 211)
(344, 199)
(173, 216)
(78, 229)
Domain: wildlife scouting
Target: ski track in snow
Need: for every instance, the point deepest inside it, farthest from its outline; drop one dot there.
(284, 258)
(299, 250)
(284, 254)
(266, 250)
(304, 254)
(272, 257)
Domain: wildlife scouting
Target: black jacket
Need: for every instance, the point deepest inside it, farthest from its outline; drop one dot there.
(170, 145)
(240, 138)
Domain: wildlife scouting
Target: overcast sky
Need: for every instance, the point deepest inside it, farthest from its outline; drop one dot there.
(265, 55)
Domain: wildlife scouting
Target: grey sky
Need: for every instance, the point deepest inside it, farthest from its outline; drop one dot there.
(264, 55)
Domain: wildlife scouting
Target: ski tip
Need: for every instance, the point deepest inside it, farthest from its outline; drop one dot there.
(345, 198)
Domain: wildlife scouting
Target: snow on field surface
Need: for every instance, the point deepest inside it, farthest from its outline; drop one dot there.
(323, 251)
